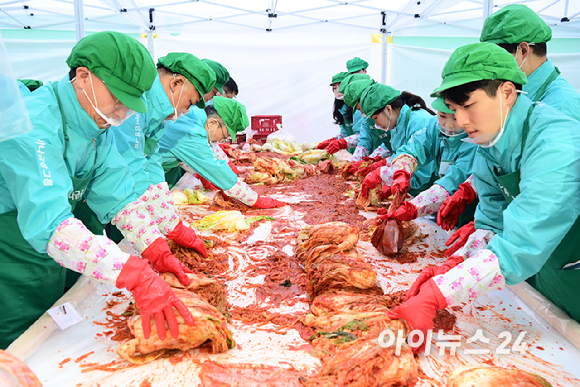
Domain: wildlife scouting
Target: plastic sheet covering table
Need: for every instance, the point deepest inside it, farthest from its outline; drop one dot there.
(84, 355)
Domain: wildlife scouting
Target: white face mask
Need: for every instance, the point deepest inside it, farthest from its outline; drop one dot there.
(450, 132)
(490, 139)
(110, 121)
(177, 115)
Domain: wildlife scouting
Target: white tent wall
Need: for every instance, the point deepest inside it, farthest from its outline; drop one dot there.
(417, 68)
(286, 71)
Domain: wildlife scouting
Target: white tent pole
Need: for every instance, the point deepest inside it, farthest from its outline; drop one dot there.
(384, 48)
(79, 19)
(150, 41)
(487, 8)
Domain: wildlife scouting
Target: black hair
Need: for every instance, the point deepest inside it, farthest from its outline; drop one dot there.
(231, 86)
(413, 101)
(164, 69)
(210, 111)
(72, 73)
(539, 49)
(460, 94)
(337, 115)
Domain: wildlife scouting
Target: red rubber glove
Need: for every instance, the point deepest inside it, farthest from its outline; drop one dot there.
(356, 165)
(153, 297)
(206, 183)
(186, 237)
(371, 181)
(365, 171)
(401, 181)
(406, 211)
(419, 311)
(336, 145)
(325, 143)
(461, 236)
(233, 167)
(385, 192)
(225, 147)
(454, 206)
(430, 272)
(267, 202)
(159, 255)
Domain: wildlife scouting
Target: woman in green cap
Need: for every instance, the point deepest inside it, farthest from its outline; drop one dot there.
(366, 138)
(343, 115)
(522, 33)
(527, 177)
(70, 156)
(403, 114)
(439, 141)
(186, 145)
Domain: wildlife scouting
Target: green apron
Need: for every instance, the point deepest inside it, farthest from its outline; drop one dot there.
(112, 231)
(173, 172)
(30, 282)
(557, 285)
(348, 126)
(150, 144)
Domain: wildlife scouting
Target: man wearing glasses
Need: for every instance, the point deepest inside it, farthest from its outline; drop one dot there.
(185, 145)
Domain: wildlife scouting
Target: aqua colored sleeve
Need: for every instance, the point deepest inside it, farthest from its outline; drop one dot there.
(421, 145)
(112, 185)
(365, 138)
(154, 167)
(194, 150)
(548, 205)
(461, 170)
(343, 132)
(23, 89)
(357, 121)
(492, 203)
(38, 182)
(129, 139)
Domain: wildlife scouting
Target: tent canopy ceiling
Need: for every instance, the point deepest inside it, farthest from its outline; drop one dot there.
(402, 17)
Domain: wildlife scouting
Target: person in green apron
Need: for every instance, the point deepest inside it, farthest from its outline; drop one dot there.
(522, 33)
(527, 175)
(186, 146)
(403, 114)
(441, 141)
(343, 115)
(182, 79)
(67, 157)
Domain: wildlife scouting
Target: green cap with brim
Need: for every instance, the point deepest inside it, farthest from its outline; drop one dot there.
(377, 97)
(356, 64)
(476, 62)
(439, 105)
(338, 78)
(233, 113)
(121, 62)
(352, 78)
(222, 76)
(515, 23)
(192, 68)
(354, 91)
(31, 84)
